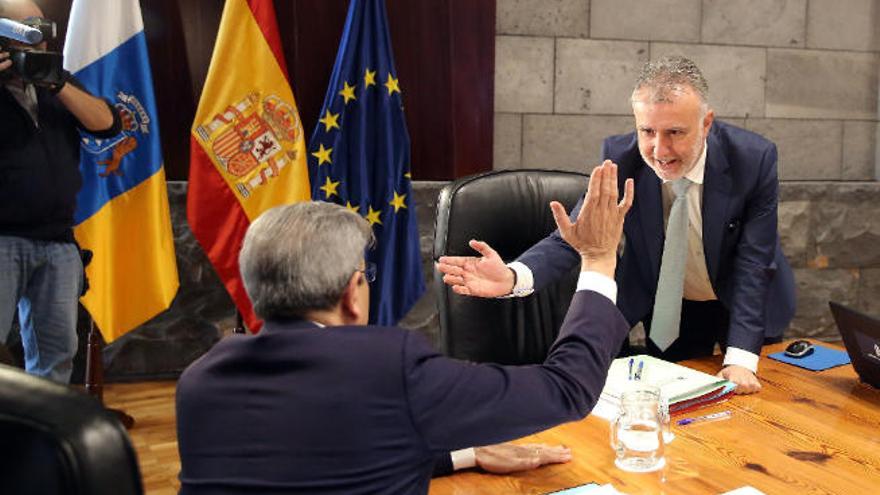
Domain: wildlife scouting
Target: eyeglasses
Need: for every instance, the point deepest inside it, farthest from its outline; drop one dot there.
(369, 272)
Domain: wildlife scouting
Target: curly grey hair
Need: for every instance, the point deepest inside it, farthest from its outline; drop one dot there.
(669, 75)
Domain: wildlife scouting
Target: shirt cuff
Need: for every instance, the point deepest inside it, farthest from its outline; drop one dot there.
(739, 357)
(463, 459)
(525, 281)
(597, 282)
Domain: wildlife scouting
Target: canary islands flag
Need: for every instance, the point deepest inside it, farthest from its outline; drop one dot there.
(247, 150)
(359, 157)
(122, 210)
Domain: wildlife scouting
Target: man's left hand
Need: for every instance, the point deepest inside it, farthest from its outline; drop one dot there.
(745, 380)
(507, 458)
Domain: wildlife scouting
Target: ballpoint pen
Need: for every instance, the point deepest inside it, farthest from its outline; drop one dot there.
(639, 371)
(630, 369)
(703, 419)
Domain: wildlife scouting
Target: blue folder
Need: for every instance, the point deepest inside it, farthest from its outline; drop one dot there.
(822, 358)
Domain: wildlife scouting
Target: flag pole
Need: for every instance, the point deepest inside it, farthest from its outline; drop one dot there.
(239, 323)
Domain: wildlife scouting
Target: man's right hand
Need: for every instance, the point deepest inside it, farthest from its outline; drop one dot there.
(5, 61)
(598, 228)
(484, 276)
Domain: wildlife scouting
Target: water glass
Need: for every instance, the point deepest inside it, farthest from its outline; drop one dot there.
(637, 434)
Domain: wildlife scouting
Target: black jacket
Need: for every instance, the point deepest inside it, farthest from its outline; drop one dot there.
(39, 167)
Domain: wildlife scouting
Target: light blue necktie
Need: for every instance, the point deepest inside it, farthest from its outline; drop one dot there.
(670, 287)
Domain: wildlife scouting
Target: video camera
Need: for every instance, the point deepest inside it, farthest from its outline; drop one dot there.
(40, 67)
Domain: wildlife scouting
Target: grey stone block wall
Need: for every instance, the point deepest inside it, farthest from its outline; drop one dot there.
(804, 72)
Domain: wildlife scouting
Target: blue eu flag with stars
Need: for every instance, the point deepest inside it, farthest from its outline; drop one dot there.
(359, 157)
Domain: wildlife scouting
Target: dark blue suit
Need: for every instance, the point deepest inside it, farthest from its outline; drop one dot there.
(303, 409)
(747, 269)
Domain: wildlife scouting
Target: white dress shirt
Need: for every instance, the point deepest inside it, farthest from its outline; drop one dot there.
(697, 286)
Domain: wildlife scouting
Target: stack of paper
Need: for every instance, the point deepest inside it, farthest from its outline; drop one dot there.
(684, 388)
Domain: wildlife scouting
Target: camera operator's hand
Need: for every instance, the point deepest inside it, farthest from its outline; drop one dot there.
(5, 61)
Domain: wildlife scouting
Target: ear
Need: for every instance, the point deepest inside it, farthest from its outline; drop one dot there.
(350, 303)
(707, 121)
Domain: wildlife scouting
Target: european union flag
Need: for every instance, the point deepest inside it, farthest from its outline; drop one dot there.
(359, 157)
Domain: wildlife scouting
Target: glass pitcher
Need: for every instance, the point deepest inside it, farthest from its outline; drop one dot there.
(637, 432)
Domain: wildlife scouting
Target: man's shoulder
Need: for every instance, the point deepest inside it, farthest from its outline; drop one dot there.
(730, 135)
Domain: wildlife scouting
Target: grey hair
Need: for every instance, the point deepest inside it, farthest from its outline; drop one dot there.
(669, 75)
(300, 257)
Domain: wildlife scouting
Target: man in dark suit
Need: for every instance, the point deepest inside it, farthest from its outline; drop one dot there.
(319, 402)
(727, 280)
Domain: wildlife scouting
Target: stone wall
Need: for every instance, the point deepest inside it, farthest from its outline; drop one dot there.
(802, 73)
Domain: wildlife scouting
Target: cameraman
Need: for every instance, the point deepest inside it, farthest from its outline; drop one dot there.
(40, 266)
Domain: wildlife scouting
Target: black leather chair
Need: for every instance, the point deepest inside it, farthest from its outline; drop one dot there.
(55, 440)
(510, 211)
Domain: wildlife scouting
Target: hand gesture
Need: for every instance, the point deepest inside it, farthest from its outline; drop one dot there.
(596, 232)
(486, 276)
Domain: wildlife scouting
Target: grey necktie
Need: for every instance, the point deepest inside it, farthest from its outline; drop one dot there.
(667, 302)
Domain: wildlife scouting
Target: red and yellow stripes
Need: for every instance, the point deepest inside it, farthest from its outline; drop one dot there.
(248, 149)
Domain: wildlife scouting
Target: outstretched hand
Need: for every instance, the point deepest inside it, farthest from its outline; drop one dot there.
(484, 276)
(596, 232)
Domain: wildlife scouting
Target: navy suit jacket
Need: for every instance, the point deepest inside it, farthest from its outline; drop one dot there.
(747, 269)
(303, 409)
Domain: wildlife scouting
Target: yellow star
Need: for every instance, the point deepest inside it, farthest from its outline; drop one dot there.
(347, 92)
(391, 84)
(369, 78)
(373, 216)
(329, 188)
(354, 208)
(398, 201)
(330, 121)
(408, 175)
(323, 154)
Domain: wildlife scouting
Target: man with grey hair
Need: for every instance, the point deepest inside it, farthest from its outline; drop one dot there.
(320, 402)
(702, 262)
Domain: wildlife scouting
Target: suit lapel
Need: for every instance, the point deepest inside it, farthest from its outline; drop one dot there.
(650, 208)
(716, 195)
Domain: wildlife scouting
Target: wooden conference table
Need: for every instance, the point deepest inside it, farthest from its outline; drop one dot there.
(804, 433)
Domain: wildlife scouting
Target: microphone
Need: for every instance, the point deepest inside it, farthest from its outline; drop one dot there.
(20, 32)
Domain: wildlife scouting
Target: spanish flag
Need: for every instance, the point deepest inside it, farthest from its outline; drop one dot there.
(122, 209)
(248, 152)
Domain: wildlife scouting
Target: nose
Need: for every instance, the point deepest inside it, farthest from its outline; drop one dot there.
(662, 145)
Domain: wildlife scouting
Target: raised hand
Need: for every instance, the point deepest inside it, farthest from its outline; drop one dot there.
(596, 232)
(484, 276)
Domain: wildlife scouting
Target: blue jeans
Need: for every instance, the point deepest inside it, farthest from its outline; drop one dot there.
(44, 279)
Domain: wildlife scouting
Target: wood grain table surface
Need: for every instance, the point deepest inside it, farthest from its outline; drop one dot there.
(804, 433)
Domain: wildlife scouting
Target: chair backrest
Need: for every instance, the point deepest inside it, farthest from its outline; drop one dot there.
(55, 440)
(510, 211)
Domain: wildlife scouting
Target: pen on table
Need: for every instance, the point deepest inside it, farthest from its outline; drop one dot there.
(630, 369)
(639, 371)
(703, 419)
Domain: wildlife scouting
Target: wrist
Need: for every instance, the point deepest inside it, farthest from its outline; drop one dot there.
(603, 264)
(513, 279)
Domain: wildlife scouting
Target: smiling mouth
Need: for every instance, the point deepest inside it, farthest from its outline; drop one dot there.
(666, 164)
